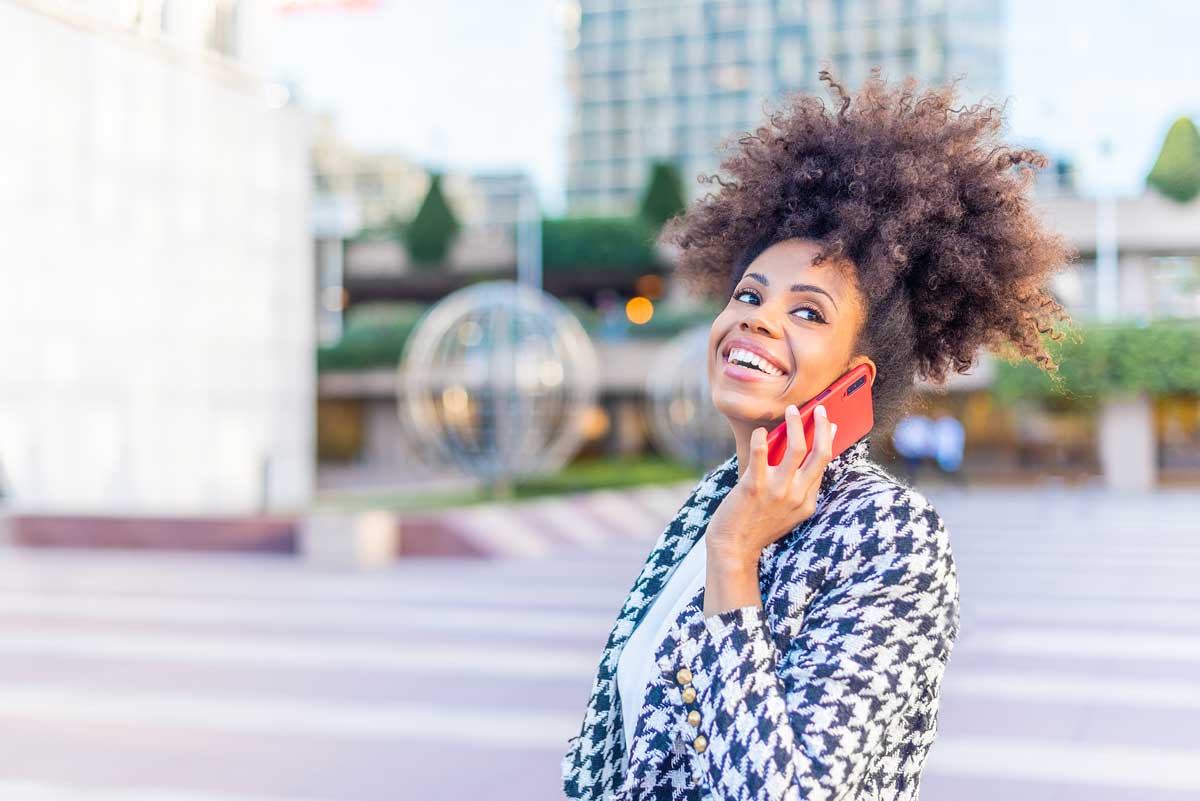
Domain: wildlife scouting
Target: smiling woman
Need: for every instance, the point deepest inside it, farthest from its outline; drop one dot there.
(787, 636)
(798, 318)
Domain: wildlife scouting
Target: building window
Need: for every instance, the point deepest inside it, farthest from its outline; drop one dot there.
(791, 61)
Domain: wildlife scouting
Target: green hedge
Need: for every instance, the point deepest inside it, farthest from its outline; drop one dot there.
(580, 476)
(1102, 359)
(374, 336)
(574, 244)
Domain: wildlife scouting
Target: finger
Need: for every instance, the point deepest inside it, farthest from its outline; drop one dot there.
(822, 443)
(757, 468)
(797, 447)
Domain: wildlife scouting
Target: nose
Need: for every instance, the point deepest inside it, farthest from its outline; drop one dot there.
(760, 323)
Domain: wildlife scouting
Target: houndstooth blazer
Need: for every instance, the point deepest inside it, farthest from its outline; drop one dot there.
(828, 691)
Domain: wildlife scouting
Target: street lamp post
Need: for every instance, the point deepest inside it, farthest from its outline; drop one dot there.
(1107, 305)
(504, 367)
(529, 238)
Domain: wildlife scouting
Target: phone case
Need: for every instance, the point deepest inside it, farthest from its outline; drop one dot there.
(847, 402)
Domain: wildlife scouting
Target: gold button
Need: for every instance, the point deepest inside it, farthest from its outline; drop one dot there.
(683, 676)
(700, 743)
(689, 694)
(694, 718)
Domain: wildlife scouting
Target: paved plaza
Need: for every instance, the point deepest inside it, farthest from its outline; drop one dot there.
(152, 676)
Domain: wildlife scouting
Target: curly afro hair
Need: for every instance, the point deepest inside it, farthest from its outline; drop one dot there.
(916, 195)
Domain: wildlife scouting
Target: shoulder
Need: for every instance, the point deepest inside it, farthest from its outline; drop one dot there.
(869, 493)
(875, 521)
(888, 548)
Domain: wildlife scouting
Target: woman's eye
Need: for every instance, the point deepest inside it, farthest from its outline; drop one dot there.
(753, 298)
(817, 316)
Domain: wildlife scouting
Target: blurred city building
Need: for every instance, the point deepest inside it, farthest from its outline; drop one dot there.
(665, 80)
(1158, 247)
(363, 202)
(156, 328)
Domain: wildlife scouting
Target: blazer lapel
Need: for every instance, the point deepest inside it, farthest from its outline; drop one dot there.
(594, 766)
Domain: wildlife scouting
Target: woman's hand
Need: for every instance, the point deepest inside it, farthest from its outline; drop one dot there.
(768, 502)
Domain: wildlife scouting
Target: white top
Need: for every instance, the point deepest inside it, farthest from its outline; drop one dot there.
(636, 664)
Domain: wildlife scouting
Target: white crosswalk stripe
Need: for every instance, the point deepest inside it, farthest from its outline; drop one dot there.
(1090, 644)
(468, 725)
(488, 659)
(1067, 688)
(16, 789)
(357, 617)
(1088, 764)
(561, 517)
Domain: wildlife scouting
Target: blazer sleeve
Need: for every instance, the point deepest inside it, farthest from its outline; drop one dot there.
(805, 720)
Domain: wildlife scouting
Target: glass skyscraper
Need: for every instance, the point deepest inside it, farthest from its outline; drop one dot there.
(671, 79)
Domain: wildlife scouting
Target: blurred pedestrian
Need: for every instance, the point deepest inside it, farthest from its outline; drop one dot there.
(948, 440)
(913, 439)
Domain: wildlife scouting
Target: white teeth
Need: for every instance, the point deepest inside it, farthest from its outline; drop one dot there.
(746, 357)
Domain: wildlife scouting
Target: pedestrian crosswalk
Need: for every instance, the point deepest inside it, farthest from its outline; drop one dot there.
(131, 676)
(590, 522)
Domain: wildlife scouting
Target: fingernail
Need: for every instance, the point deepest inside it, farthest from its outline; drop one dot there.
(791, 409)
(833, 428)
(821, 409)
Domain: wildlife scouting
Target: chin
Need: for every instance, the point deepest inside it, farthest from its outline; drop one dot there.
(738, 407)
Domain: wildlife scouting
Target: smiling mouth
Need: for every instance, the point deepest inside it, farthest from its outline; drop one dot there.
(744, 358)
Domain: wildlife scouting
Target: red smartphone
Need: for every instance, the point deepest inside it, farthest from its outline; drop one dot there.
(847, 402)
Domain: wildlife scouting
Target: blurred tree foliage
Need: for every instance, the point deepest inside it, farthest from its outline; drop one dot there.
(1176, 173)
(429, 235)
(576, 244)
(391, 228)
(374, 336)
(664, 195)
(1103, 359)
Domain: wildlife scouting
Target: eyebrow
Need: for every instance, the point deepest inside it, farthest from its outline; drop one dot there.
(762, 279)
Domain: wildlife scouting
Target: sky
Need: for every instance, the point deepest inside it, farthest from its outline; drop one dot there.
(481, 85)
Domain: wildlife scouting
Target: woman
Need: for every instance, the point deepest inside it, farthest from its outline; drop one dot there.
(788, 634)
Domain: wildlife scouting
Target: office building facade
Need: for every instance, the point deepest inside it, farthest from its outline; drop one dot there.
(670, 80)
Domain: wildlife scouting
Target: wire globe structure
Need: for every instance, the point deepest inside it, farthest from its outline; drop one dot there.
(496, 380)
(683, 422)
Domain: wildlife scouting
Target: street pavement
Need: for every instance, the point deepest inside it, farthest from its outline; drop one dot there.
(156, 676)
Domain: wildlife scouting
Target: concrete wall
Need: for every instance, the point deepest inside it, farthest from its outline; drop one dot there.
(156, 326)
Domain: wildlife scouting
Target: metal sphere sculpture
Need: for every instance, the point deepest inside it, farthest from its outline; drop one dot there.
(496, 379)
(683, 421)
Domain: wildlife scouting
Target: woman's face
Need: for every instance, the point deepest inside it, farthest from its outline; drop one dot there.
(798, 320)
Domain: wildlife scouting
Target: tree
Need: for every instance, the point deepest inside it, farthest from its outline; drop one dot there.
(429, 236)
(1176, 173)
(664, 195)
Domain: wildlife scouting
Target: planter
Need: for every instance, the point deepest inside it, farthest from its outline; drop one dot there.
(349, 540)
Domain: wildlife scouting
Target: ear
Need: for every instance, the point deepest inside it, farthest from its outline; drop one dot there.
(857, 360)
